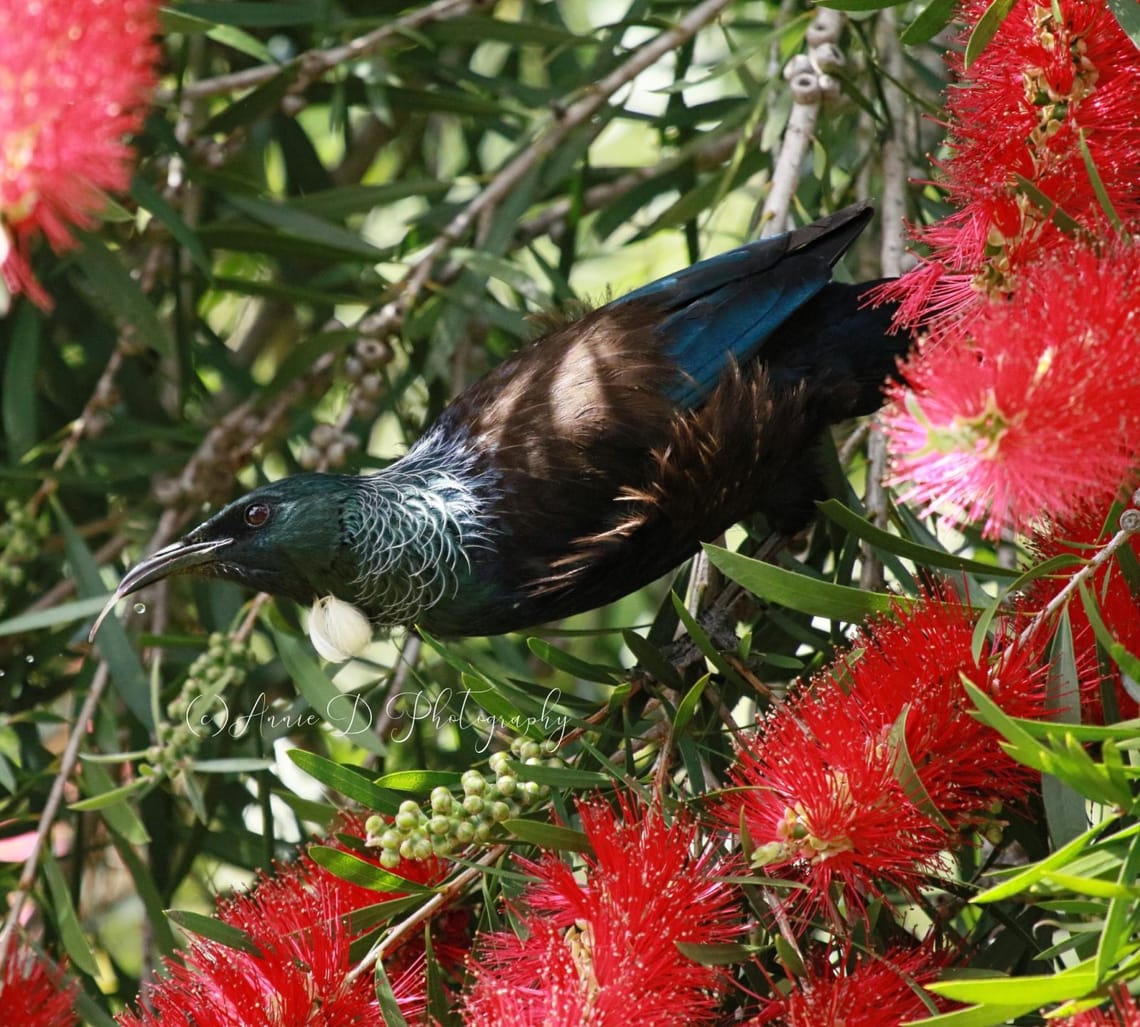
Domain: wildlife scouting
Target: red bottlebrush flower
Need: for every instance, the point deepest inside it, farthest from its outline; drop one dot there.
(1042, 85)
(1124, 1012)
(1116, 602)
(1034, 408)
(297, 978)
(864, 991)
(824, 787)
(35, 994)
(912, 665)
(74, 80)
(829, 814)
(597, 949)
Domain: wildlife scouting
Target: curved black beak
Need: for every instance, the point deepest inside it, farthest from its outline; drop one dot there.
(177, 558)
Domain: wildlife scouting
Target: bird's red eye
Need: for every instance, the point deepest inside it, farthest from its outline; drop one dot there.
(256, 514)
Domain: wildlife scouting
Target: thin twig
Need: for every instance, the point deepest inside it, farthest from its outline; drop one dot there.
(1129, 526)
(709, 153)
(507, 179)
(19, 896)
(315, 63)
(810, 84)
(448, 892)
(892, 247)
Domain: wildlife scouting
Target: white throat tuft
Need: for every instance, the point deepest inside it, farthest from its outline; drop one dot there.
(338, 630)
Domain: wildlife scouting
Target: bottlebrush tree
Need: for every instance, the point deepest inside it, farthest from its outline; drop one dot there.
(881, 773)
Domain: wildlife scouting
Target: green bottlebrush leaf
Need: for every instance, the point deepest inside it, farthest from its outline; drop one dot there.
(107, 277)
(1102, 196)
(1031, 876)
(351, 782)
(931, 20)
(860, 5)
(162, 935)
(1127, 13)
(1049, 207)
(1064, 807)
(254, 13)
(213, 929)
(906, 773)
(548, 836)
(986, 28)
(926, 556)
(520, 33)
(562, 660)
(1032, 991)
(1066, 760)
(113, 796)
(242, 42)
(127, 675)
(346, 712)
(19, 392)
(688, 705)
(991, 610)
(725, 954)
(290, 221)
(705, 644)
(370, 917)
(151, 199)
(389, 1007)
(799, 591)
(360, 871)
(53, 616)
(1120, 923)
(255, 104)
(66, 919)
(649, 658)
(419, 782)
(109, 801)
(560, 777)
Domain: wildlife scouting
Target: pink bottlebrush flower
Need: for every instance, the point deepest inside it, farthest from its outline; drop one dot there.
(861, 991)
(1033, 410)
(603, 942)
(1116, 601)
(1042, 85)
(35, 994)
(1124, 1012)
(74, 80)
(297, 978)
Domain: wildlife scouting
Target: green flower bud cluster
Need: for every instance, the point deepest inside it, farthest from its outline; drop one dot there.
(453, 821)
(224, 663)
(22, 534)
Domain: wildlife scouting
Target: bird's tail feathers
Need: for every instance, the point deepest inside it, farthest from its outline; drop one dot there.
(842, 347)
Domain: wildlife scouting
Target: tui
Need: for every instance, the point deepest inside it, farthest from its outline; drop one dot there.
(590, 462)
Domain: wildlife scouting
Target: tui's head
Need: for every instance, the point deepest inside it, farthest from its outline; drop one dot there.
(286, 538)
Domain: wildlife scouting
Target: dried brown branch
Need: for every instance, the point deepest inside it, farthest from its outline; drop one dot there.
(314, 63)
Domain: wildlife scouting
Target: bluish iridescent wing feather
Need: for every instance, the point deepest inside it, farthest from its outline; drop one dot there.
(722, 310)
